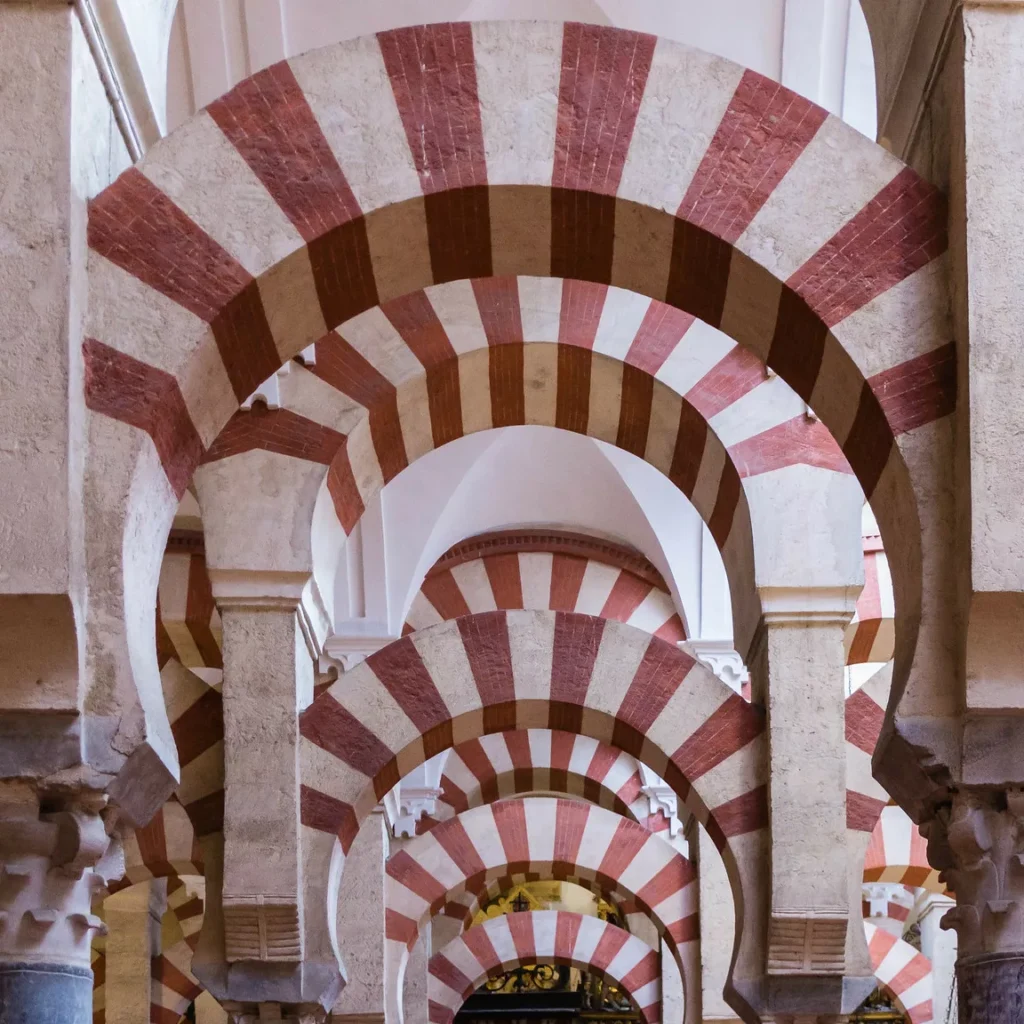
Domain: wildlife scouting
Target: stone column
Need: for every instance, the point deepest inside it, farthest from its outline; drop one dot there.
(53, 862)
(269, 650)
(414, 997)
(978, 842)
(939, 945)
(361, 926)
(717, 931)
(132, 917)
(809, 572)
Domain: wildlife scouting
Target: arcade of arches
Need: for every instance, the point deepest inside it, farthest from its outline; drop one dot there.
(509, 518)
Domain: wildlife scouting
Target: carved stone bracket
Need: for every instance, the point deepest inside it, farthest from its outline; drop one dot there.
(259, 1013)
(807, 943)
(977, 842)
(267, 928)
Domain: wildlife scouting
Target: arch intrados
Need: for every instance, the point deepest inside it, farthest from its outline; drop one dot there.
(360, 207)
(538, 760)
(550, 384)
(525, 932)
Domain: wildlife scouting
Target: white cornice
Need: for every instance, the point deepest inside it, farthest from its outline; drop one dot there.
(798, 606)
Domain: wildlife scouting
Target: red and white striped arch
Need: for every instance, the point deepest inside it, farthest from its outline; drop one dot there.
(520, 670)
(542, 936)
(527, 570)
(904, 972)
(187, 621)
(164, 848)
(327, 187)
(897, 852)
(871, 636)
(562, 839)
(174, 988)
(480, 771)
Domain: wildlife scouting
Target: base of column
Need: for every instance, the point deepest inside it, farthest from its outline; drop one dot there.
(45, 994)
(991, 988)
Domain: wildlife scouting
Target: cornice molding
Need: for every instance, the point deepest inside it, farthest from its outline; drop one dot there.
(563, 542)
(186, 542)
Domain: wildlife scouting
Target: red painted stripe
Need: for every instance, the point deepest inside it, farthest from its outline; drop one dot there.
(566, 579)
(671, 879)
(737, 817)
(438, 1013)
(506, 372)
(864, 721)
(732, 377)
(452, 836)
(133, 392)
(862, 812)
(918, 391)
(570, 821)
(432, 69)
(345, 368)
(726, 502)
(408, 871)
(764, 130)
(402, 673)
(504, 577)
(443, 592)
(901, 230)
(399, 928)
(576, 643)
(562, 746)
(341, 484)
(476, 760)
(207, 813)
(799, 441)
(333, 728)
(323, 812)
(134, 225)
(453, 795)
(660, 673)
(520, 927)
(580, 315)
(672, 631)
(627, 594)
(567, 930)
(729, 728)
(689, 450)
(601, 763)
(416, 321)
(199, 727)
(611, 941)
(661, 330)
(448, 974)
(276, 430)
(268, 120)
(626, 844)
(646, 971)
(199, 610)
(510, 821)
(485, 637)
(433, 75)
(497, 299)
(478, 942)
(604, 74)
(635, 411)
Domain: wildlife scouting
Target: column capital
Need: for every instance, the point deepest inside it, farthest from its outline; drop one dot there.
(53, 863)
(800, 606)
(274, 590)
(977, 841)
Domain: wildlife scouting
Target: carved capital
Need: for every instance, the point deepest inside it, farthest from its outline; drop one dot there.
(977, 842)
(52, 866)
